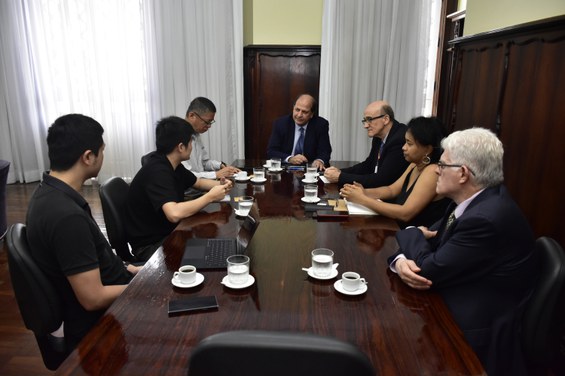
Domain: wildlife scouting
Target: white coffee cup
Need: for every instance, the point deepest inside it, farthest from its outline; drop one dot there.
(244, 205)
(351, 281)
(186, 274)
(322, 262)
(311, 176)
(238, 269)
(241, 175)
(276, 163)
(268, 163)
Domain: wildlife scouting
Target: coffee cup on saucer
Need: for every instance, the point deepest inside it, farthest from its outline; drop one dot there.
(186, 274)
(351, 281)
(241, 175)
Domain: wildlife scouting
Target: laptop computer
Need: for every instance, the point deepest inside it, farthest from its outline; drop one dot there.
(206, 253)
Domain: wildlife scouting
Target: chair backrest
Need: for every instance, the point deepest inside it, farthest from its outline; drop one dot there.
(38, 301)
(253, 353)
(540, 325)
(113, 196)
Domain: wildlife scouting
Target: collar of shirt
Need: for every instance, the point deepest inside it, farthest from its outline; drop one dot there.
(297, 129)
(66, 189)
(462, 206)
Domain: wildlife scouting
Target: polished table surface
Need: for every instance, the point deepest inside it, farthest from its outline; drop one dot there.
(403, 331)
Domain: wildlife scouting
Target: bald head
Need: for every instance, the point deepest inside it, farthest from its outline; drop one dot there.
(303, 109)
(378, 118)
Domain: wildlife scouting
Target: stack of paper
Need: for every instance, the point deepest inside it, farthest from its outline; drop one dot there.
(357, 209)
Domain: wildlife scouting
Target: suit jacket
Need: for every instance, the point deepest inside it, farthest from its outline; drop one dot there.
(316, 140)
(391, 163)
(482, 265)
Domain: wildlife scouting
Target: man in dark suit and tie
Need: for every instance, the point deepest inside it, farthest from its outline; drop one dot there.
(385, 163)
(480, 257)
(301, 137)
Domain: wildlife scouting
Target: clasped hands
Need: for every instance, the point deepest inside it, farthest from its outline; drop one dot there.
(408, 270)
(352, 192)
(299, 159)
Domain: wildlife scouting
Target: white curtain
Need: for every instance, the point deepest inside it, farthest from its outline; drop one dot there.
(375, 50)
(126, 63)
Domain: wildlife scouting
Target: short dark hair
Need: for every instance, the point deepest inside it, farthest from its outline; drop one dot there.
(428, 131)
(201, 105)
(170, 132)
(69, 137)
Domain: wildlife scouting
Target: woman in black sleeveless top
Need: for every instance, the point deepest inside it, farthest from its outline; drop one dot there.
(412, 199)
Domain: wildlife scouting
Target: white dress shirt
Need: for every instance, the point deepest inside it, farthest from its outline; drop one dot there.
(200, 163)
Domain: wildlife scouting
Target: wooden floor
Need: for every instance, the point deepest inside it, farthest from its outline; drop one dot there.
(19, 354)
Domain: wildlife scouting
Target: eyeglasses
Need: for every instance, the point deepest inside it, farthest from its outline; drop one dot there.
(208, 123)
(443, 165)
(369, 119)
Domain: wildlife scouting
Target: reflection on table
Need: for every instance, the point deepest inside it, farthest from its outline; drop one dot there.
(403, 331)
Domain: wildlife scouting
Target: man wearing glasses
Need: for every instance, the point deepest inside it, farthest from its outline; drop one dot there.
(385, 163)
(200, 115)
(480, 256)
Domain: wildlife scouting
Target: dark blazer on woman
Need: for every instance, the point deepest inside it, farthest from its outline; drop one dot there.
(391, 162)
(316, 139)
(483, 266)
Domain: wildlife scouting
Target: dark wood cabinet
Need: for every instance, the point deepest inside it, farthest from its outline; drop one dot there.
(273, 77)
(512, 81)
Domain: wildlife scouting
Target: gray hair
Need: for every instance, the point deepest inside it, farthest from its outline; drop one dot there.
(481, 151)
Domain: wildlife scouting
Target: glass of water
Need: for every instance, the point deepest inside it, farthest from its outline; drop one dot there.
(322, 262)
(238, 269)
(259, 173)
(276, 164)
(310, 192)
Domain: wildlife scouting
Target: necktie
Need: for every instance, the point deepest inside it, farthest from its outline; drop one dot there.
(379, 156)
(299, 149)
(450, 219)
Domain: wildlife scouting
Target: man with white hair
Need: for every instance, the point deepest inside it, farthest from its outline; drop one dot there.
(480, 256)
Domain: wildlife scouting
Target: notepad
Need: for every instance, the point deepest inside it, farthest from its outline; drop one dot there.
(357, 209)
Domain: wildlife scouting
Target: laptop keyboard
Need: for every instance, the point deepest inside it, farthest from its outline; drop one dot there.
(218, 251)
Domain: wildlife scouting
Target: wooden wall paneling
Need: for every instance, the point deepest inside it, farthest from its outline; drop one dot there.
(512, 81)
(533, 116)
(480, 76)
(273, 77)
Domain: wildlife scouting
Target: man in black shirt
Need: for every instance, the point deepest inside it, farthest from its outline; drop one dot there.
(156, 202)
(65, 240)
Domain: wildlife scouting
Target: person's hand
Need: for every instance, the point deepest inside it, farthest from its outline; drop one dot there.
(133, 269)
(427, 233)
(218, 192)
(352, 192)
(298, 159)
(318, 164)
(226, 172)
(408, 272)
(332, 174)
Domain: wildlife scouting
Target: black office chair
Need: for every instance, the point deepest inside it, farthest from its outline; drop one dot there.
(113, 196)
(541, 323)
(252, 353)
(39, 304)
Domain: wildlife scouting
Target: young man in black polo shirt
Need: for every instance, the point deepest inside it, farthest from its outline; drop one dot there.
(65, 240)
(156, 202)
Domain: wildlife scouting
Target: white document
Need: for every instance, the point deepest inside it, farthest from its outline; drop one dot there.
(357, 209)
(324, 179)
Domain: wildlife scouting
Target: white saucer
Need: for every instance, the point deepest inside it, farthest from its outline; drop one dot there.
(255, 180)
(339, 287)
(272, 169)
(310, 200)
(199, 279)
(244, 179)
(331, 276)
(226, 282)
(309, 181)
(238, 213)
(266, 166)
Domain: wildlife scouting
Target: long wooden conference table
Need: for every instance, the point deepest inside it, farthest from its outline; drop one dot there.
(402, 331)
